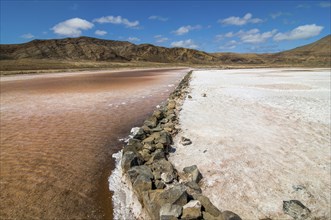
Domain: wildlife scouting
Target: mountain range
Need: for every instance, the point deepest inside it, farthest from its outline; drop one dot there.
(110, 51)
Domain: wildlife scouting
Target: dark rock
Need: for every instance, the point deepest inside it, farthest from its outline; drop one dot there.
(189, 96)
(171, 117)
(296, 209)
(134, 172)
(194, 173)
(133, 145)
(192, 210)
(153, 200)
(204, 95)
(146, 129)
(168, 211)
(164, 138)
(151, 122)
(137, 133)
(157, 155)
(130, 159)
(228, 215)
(159, 184)
(193, 187)
(207, 205)
(185, 141)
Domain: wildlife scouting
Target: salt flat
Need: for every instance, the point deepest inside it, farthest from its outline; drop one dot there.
(260, 136)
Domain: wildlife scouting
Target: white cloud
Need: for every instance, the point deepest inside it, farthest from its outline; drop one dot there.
(254, 36)
(160, 39)
(248, 18)
(133, 39)
(185, 29)
(229, 45)
(100, 32)
(276, 15)
(301, 32)
(117, 20)
(184, 43)
(303, 6)
(159, 18)
(27, 36)
(72, 27)
(325, 4)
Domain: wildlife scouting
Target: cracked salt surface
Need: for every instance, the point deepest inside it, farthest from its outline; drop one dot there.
(260, 136)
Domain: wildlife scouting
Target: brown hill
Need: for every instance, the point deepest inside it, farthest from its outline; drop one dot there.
(86, 52)
(86, 48)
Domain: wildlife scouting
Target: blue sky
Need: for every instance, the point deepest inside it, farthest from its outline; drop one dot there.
(212, 26)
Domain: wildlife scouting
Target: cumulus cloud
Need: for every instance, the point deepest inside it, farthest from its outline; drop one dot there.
(27, 36)
(117, 20)
(254, 36)
(159, 18)
(248, 18)
(133, 39)
(100, 32)
(185, 29)
(160, 39)
(184, 43)
(72, 27)
(300, 32)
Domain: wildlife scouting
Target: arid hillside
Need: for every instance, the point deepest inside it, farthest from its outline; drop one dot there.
(86, 52)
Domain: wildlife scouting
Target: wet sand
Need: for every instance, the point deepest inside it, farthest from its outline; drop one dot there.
(58, 133)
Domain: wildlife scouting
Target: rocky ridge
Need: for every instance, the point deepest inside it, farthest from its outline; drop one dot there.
(164, 192)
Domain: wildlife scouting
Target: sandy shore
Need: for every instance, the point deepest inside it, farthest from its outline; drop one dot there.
(259, 137)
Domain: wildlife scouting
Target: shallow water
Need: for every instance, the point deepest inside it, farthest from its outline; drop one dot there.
(58, 133)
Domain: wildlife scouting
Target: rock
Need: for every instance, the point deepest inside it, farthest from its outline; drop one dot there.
(193, 188)
(185, 141)
(157, 129)
(164, 138)
(168, 211)
(158, 114)
(192, 210)
(189, 96)
(145, 154)
(134, 172)
(194, 173)
(208, 216)
(162, 166)
(146, 129)
(151, 122)
(149, 140)
(153, 200)
(141, 184)
(133, 145)
(159, 184)
(157, 155)
(204, 95)
(207, 205)
(159, 146)
(228, 215)
(171, 117)
(296, 209)
(130, 159)
(171, 104)
(150, 147)
(167, 177)
(137, 133)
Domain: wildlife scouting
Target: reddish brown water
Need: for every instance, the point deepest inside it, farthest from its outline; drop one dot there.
(58, 133)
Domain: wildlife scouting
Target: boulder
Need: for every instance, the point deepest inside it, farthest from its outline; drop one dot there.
(157, 155)
(207, 205)
(159, 184)
(193, 172)
(159, 146)
(164, 138)
(130, 159)
(133, 145)
(149, 146)
(169, 211)
(134, 172)
(185, 141)
(145, 154)
(171, 117)
(296, 209)
(153, 200)
(142, 184)
(158, 114)
(162, 166)
(193, 188)
(167, 177)
(228, 215)
(171, 104)
(189, 96)
(151, 122)
(192, 210)
(137, 133)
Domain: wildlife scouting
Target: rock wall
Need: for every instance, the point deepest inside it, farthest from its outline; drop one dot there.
(164, 192)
